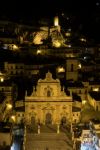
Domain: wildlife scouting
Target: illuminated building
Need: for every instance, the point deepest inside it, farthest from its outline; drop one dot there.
(45, 101)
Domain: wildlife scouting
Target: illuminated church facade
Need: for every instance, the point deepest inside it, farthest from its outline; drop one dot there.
(48, 103)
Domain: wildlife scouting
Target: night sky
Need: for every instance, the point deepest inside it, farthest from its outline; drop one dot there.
(86, 11)
(38, 8)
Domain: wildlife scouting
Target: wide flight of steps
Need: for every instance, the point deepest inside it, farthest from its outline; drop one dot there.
(48, 139)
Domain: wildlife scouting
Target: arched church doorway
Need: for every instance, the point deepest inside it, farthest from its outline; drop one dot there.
(33, 121)
(63, 120)
(48, 119)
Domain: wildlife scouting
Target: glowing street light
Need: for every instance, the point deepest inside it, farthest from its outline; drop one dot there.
(13, 118)
(9, 106)
(15, 47)
(84, 102)
(80, 66)
(68, 34)
(1, 79)
(39, 52)
(83, 39)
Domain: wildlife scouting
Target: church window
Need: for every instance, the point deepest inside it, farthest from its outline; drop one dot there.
(72, 69)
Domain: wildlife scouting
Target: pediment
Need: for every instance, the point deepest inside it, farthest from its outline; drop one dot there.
(48, 78)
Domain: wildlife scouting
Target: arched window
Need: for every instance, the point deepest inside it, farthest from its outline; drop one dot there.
(48, 91)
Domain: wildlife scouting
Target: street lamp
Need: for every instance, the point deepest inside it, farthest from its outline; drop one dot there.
(1, 77)
(9, 106)
(39, 52)
(13, 118)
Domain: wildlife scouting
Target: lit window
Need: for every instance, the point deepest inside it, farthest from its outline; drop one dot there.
(72, 69)
(96, 89)
(68, 34)
(61, 69)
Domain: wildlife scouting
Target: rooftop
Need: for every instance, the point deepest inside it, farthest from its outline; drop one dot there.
(76, 109)
(95, 121)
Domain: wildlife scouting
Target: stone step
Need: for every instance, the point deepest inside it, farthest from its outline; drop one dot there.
(51, 145)
(46, 136)
(48, 139)
(44, 129)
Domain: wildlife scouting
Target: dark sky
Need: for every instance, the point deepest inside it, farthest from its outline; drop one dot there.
(29, 8)
(86, 11)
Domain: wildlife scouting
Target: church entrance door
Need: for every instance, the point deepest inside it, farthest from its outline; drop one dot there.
(33, 120)
(63, 120)
(48, 119)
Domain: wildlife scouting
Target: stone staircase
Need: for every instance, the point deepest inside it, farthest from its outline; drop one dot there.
(48, 128)
(48, 139)
(43, 129)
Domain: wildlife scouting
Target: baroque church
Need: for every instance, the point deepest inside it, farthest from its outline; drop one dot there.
(48, 103)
